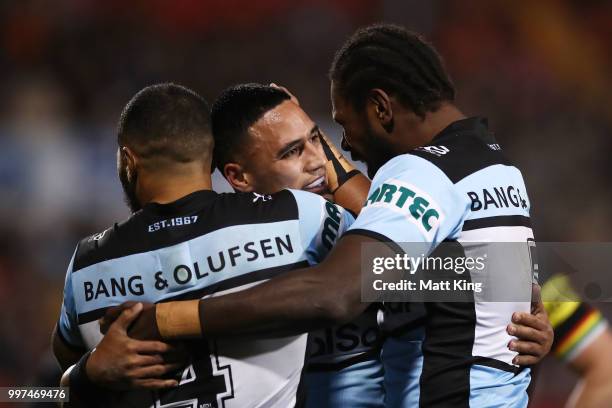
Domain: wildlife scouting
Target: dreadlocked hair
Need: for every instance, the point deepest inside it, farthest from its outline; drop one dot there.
(395, 60)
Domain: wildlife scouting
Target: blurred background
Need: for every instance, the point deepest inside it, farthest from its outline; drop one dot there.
(540, 71)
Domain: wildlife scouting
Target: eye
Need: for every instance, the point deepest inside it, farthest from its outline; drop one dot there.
(293, 152)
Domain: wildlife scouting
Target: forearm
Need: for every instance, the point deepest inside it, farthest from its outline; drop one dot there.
(596, 359)
(297, 302)
(65, 355)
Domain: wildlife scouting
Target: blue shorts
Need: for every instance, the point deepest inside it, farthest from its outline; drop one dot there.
(489, 387)
(403, 361)
(359, 385)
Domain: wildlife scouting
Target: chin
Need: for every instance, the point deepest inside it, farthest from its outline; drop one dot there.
(372, 171)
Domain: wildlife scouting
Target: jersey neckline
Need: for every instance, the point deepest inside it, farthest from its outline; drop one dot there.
(192, 201)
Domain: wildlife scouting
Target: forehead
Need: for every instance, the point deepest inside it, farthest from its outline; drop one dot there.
(283, 124)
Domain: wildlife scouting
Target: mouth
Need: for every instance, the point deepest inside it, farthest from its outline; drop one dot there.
(318, 186)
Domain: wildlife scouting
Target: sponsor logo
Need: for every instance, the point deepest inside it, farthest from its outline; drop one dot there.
(498, 197)
(176, 276)
(435, 150)
(98, 236)
(346, 339)
(417, 206)
(331, 225)
(261, 197)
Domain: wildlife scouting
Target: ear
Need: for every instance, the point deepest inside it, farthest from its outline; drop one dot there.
(130, 161)
(237, 177)
(379, 108)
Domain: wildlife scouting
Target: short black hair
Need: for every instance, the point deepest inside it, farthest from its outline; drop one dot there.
(234, 111)
(167, 121)
(396, 60)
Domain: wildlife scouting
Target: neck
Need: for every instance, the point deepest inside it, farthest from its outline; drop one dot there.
(167, 185)
(424, 130)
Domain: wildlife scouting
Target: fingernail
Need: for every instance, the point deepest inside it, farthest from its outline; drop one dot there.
(511, 345)
(515, 317)
(511, 329)
(515, 361)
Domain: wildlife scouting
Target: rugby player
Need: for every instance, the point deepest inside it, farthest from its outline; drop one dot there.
(265, 142)
(394, 100)
(185, 241)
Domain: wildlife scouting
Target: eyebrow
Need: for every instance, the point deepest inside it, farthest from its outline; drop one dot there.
(297, 142)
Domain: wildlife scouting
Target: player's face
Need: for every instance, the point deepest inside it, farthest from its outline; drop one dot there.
(358, 136)
(128, 182)
(284, 152)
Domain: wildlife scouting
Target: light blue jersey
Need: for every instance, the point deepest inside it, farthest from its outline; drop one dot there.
(458, 189)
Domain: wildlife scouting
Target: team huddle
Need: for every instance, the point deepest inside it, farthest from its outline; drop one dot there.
(254, 299)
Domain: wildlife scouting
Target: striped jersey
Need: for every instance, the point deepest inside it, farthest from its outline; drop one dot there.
(459, 189)
(204, 244)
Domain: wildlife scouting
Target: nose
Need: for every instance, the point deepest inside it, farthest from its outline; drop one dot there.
(314, 157)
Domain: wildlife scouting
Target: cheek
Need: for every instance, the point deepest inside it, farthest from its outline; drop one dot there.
(353, 136)
(289, 174)
(275, 177)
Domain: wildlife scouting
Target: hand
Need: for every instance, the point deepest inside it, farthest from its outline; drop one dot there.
(112, 313)
(120, 362)
(144, 328)
(534, 332)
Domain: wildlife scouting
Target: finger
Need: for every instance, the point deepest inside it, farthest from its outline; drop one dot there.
(126, 318)
(282, 88)
(142, 360)
(112, 313)
(154, 371)
(529, 320)
(526, 348)
(154, 383)
(152, 347)
(524, 333)
(525, 360)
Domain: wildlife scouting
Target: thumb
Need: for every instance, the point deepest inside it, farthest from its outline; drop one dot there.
(126, 318)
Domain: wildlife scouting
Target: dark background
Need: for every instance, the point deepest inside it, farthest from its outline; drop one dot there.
(540, 71)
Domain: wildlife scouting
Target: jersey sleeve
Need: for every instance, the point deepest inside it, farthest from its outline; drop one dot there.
(67, 327)
(321, 223)
(411, 200)
(576, 324)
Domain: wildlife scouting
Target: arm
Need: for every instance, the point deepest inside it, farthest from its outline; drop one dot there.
(297, 302)
(594, 365)
(65, 354)
(119, 362)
